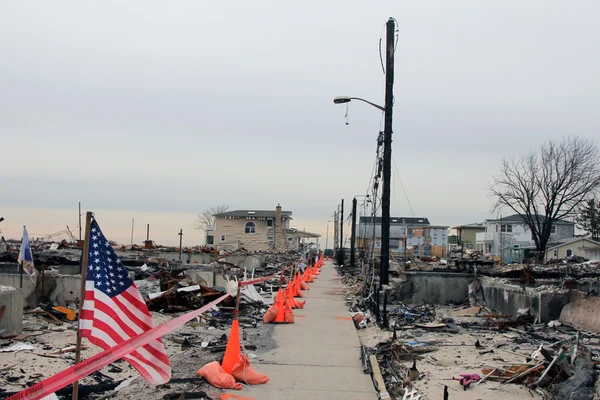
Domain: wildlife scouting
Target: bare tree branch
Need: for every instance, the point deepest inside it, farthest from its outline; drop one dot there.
(207, 216)
(548, 185)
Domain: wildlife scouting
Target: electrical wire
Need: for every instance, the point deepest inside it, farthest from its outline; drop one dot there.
(403, 188)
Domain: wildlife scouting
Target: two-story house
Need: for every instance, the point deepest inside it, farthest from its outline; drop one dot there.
(467, 234)
(510, 237)
(415, 234)
(255, 230)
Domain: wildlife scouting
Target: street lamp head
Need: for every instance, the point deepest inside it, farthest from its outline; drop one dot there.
(341, 99)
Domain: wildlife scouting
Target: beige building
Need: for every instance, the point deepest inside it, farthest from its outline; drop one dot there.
(466, 234)
(255, 230)
(582, 247)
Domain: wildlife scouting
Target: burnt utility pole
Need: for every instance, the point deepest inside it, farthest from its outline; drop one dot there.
(335, 237)
(384, 277)
(353, 240)
(180, 243)
(387, 164)
(341, 255)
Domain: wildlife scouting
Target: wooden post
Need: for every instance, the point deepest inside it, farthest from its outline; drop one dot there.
(237, 301)
(84, 266)
(21, 275)
(43, 277)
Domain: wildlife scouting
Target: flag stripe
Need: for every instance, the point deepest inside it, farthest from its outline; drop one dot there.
(140, 319)
(114, 311)
(124, 330)
(149, 373)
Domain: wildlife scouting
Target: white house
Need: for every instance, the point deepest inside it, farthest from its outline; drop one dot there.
(511, 239)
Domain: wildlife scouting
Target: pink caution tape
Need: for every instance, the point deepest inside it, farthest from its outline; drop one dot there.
(101, 360)
(260, 280)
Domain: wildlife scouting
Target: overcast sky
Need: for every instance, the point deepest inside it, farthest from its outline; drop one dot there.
(156, 110)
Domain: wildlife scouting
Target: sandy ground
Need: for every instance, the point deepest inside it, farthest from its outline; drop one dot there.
(456, 354)
(32, 366)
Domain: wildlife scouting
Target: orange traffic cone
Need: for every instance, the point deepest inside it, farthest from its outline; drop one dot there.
(301, 284)
(285, 315)
(309, 277)
(293, 303)
(233, 352)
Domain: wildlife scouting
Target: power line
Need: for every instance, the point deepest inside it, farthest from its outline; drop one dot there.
(403, 189)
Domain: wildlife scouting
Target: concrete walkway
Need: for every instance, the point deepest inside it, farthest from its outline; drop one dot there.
(318, 357)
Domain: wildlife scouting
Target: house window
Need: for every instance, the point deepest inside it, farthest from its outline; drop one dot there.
(269, 223)
(223, 238)
(270, 239)
(569, 252)
(290, 239)
(250, 227)
(555, 253)
(210, 239)
(553, 229)
(506, 228)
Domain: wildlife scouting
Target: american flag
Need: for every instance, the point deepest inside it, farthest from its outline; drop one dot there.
(114, 310)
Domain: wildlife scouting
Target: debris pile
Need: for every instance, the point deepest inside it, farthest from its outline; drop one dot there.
(469, 257)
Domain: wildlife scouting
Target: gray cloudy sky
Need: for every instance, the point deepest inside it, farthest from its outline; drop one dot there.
(159, 109)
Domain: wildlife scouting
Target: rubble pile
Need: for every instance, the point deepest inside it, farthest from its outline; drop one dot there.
(469, 257)
(588, 269)
(437, 351)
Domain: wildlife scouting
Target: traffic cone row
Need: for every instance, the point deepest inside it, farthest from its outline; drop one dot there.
(235, 366)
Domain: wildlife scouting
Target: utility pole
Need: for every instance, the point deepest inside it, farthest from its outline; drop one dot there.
(341, 257)
(132, 224)
(335, 233)
(387, 164)
(180, 243)
(79, 222)
(353, 239)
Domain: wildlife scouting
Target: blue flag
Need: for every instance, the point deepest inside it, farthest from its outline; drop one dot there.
(25, 255)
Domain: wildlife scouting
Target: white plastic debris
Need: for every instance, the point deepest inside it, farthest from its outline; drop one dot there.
(125, 383)
(16, 348)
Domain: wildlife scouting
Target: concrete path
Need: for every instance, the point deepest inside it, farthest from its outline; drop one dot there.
(318, 357)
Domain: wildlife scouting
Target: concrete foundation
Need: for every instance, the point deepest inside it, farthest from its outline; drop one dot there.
(582, 312)
(508, 299)
(61, 289)
(11, 300)
(420, 287)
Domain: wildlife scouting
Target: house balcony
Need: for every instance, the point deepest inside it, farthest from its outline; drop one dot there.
(484, 237)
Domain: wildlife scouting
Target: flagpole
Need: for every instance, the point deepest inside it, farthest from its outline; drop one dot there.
(84, 266)
(21, 275)
(21, 266)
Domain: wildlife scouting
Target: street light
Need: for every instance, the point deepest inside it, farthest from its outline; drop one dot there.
(387, 162)
(347, 99)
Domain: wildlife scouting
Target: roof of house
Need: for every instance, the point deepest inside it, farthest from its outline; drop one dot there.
(575, 240)
(254, 213)
(519, 218)
(475, 225)
(303, 233)
(421, 221)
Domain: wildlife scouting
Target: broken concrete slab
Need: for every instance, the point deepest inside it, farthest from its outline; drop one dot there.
(581, 312)
(11, 301)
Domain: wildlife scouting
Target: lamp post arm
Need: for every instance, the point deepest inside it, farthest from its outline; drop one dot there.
(370, 103)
